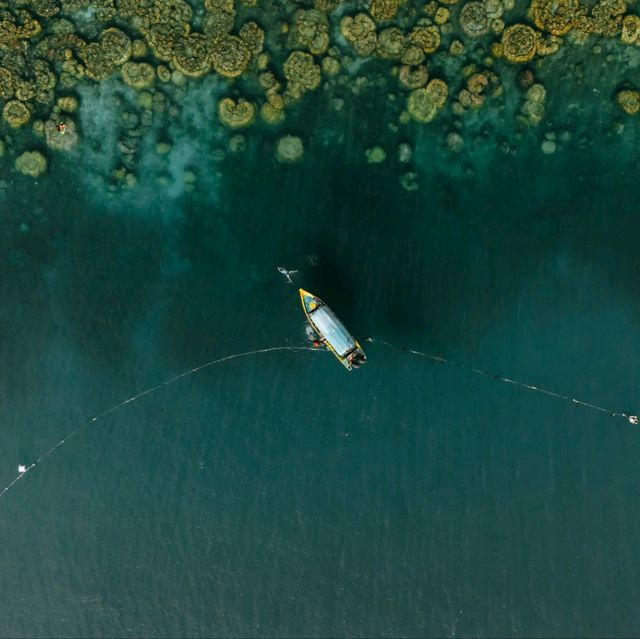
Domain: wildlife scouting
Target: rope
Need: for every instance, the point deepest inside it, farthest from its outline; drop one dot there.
(134, 398)
(632, 419)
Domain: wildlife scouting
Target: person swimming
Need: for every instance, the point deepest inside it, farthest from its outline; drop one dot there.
(287, 273)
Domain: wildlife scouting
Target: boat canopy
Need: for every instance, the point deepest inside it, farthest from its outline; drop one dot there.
(333, 331)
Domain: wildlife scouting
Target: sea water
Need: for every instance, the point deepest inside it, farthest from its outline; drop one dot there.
(277, 494)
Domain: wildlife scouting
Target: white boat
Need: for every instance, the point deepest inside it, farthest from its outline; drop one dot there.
(332, 332)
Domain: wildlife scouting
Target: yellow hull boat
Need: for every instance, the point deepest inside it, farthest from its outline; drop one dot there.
(332, 332)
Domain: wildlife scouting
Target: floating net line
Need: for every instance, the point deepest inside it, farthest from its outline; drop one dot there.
(152, 389)
(632, 419)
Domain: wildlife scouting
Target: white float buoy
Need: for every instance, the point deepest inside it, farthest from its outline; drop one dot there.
(22, 468)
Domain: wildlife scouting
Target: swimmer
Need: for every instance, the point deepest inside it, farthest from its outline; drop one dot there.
(287, 273)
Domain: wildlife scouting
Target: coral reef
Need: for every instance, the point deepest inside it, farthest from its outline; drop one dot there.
(390, 43)
(310, 31)
(384, 9)
(413, 77)
(68, 103)
(300, 69)
(474, 20)
(556, 17)
(426, 37)
(31, 163)
(275, 54)
(423, 104)
(191, 55)
(478, 85)
(360, 32)
(629, 101)
(229, 56)
(236, 114)
(115, 45)
(138, 75)
(519, 43)
(630, 29)
(16, 113)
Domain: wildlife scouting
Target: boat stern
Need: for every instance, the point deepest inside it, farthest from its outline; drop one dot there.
(356, 358)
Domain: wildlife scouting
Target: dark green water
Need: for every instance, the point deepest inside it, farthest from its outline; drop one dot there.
(278, 495)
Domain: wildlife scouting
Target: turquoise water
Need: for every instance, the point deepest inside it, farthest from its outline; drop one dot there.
(278, 495)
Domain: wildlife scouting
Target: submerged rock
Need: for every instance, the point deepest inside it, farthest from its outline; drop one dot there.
(237, 143)
(409, 181)
(163, 148)
(404, 153)
(455, 142)
(375, 155)
(548, 147)
(533, 108)
(525, 78)
(289, 149)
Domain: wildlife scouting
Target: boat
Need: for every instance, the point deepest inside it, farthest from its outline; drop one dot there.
(332, 332)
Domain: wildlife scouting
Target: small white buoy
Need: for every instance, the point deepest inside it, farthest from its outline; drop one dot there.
(22, 468)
